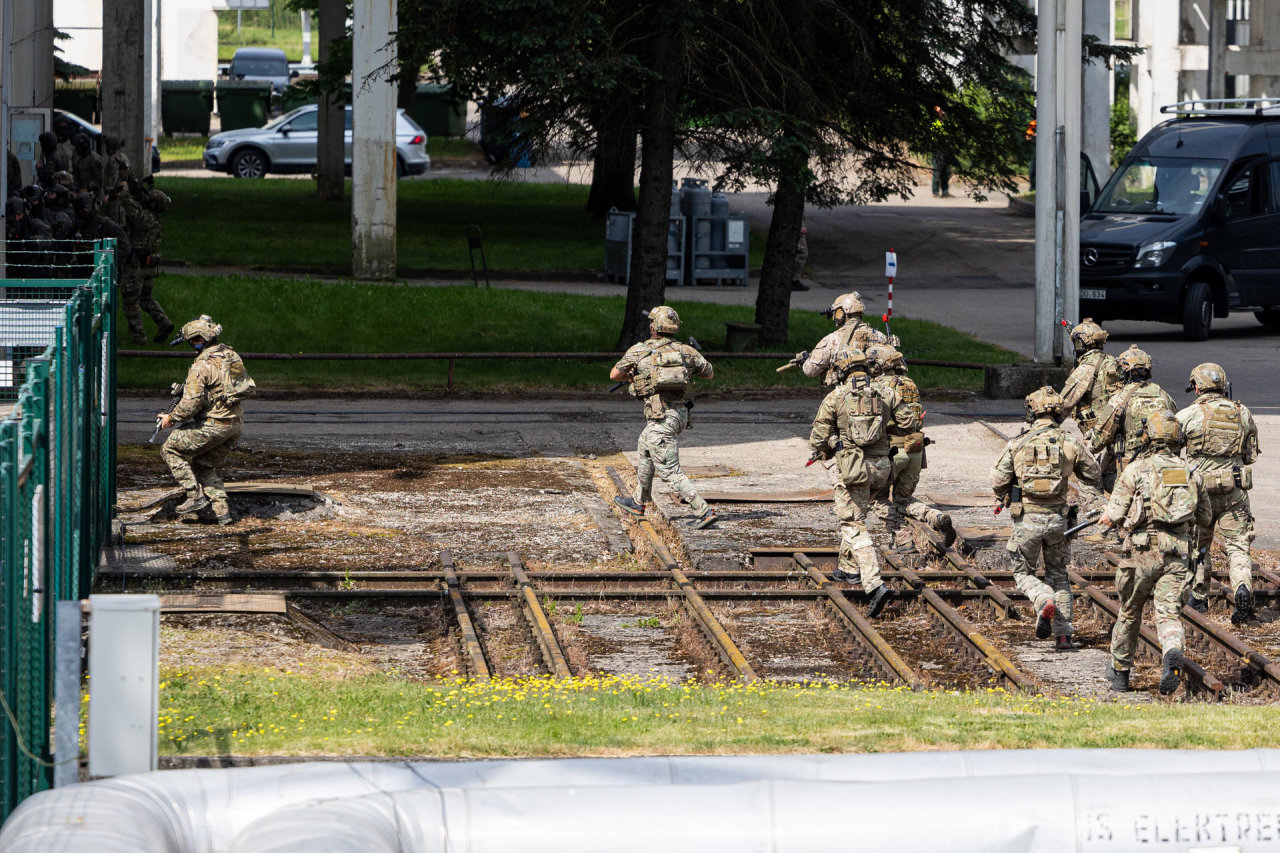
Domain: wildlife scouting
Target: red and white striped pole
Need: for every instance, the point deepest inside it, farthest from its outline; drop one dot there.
(890, 270)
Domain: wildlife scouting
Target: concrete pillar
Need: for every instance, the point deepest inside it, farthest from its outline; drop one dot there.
(152, 63)
(189, 48)
(373, 149)
(1058, 109)
(124, 83)
(1098, 88)
(1217, 49)
(32, 53)
(1155, 73)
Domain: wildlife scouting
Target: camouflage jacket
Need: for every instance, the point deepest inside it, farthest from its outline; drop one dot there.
(208, 382)
(145, 229)
(657, 404)
(1009, 469)
(47, 167)
(908, 415)
(1132, 494)
(1119, 423)
(1198, 421)
(1089, 386)
(87, 170)
(854, 333)
(831, 422)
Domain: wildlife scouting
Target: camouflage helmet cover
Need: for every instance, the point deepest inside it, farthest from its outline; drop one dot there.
(665, 320)
(881, 357)
(849, 303)
(1044, 401)
(1161, 426)
(201, 327)
(1134, 359)
(158, 200)
(63, 178)
(847, 361)
(1089, 333)
(1208, 377)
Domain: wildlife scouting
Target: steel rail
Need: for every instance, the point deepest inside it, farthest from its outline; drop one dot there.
(1199, 676)
(479, 666)
(711, 626)
(889, 660)
(971, 639)
(551, 651)
(579, 594)
(1001, 605)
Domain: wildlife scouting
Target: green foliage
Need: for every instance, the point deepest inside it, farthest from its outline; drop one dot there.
(1124, 126)
(281, 315)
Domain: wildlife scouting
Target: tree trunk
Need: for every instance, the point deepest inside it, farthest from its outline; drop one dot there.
(613, 176)
(407, 82)
(330, 156)
(653, 213)
(773, 301)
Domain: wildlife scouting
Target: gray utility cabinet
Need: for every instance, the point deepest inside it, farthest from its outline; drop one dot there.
(717, 241)
(618, 228)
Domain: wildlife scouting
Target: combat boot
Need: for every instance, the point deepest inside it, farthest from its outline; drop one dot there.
(162, 336)
(1044, 621)
(947, 529)
(1118, 678)
(846, 577)
(1244, 605)
(193, 503)
(630, 504)
(1171, 675)
(1200, 605)
(879, 599)
(1066, 644)
(224, 519)
(707, 519)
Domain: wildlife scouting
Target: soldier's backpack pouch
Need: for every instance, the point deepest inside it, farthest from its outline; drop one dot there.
(1173, 495)
(1246, 477)
(851, 464)
(1041, 464)
(668, 371)
(237, 386)
(866, 423)
(1219, 482)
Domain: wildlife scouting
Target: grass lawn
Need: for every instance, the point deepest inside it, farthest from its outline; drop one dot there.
(256, 31)
(177, 149)
(174, 149)
(220, 711)
(280, 315)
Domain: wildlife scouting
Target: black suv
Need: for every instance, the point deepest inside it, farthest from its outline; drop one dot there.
(1188, 227)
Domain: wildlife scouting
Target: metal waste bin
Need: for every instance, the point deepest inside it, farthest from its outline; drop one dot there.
(741, 337)
(436, 113)
(243, 103)
(293, 97)
(77, 96)
(186, 106)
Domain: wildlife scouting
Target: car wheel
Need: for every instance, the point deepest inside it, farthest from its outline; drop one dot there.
(1269, 318)
(1197, 312)
(250, 163)
(400, 168)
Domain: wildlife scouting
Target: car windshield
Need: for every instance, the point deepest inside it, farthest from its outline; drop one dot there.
(261, 67)
(1173, 185)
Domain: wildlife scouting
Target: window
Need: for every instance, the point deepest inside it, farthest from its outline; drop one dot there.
(1240, 196)
(1124, 20)
(1238, 14)
(306, 121)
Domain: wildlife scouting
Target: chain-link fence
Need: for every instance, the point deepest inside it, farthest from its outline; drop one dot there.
(57, 488)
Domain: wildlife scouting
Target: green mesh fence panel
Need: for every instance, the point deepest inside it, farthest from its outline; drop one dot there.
(57, 486)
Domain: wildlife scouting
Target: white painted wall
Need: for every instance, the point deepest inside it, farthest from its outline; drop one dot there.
(189, 34)
(82, 20)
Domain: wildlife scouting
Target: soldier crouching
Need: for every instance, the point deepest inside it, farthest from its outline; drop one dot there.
(210, 419)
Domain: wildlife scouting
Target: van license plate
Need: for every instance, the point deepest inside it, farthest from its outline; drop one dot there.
(1093, 293)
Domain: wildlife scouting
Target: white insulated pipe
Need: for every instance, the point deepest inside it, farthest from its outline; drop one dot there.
(1033, 800)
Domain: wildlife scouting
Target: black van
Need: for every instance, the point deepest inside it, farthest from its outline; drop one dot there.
(1188, 227)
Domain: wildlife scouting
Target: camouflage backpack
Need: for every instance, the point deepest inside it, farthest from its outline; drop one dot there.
(1222, 433)
(234, 381)
(1174, 494)
(661, 370)
(1145, 400)
(864, 420)
(1038, 463)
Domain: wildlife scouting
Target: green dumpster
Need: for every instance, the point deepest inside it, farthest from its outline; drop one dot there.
(293, 97)
(243, 103)
(185, 106)
(435, 113)
(77, 96)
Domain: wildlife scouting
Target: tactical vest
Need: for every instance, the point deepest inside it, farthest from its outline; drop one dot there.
(1146, 400)
(1106, 381)
(1174, 495)
(661, 370)
(862, 423)
(1221, 430)
(1040, 466)
(909, 393)
(234, 383)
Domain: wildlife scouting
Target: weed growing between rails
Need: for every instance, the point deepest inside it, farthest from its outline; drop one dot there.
(267, 711)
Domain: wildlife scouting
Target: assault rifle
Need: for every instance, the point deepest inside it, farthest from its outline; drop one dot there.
(692, 341)
(1088, 522)
(175, 391)
(795, 362)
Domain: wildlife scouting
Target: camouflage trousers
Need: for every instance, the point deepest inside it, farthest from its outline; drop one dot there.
(1037, 533)
(1156, 571)
(857, 549)
(194, 451)
(1234, 524)
(135, 294)
(898, 496)
(659, 451)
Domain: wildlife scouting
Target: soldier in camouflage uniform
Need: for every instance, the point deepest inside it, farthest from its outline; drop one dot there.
(142, 207)
(86, 166)
(210, 419)
(658, 371)
(1119, 425)
(888, 370)
(51, 161)
(852, 426)
(851, 333)
(1095, 378)
(113, 160)
(1158, 500)
(1031, 479)
(1222, 441)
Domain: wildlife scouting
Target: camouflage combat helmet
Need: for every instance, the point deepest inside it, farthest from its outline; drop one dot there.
(157, 200)
(882, 358)
(201, 327)
(63, 178)
(848, 361)
(1160, 427)
(1133, 362)
(1207, 377)
(1044, 402)
(848, 303)
(665, 320)
(1088, 335)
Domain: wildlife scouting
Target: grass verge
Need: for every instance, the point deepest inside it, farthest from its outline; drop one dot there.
(281, 315)
(275, 712)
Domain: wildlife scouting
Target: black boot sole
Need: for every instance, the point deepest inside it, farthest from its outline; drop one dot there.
(1244, 606)
(1171, 677)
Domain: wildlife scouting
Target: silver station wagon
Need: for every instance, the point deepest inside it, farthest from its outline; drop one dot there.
(288, 144)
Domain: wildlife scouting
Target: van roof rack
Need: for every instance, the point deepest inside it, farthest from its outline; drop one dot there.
(1225, 107)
